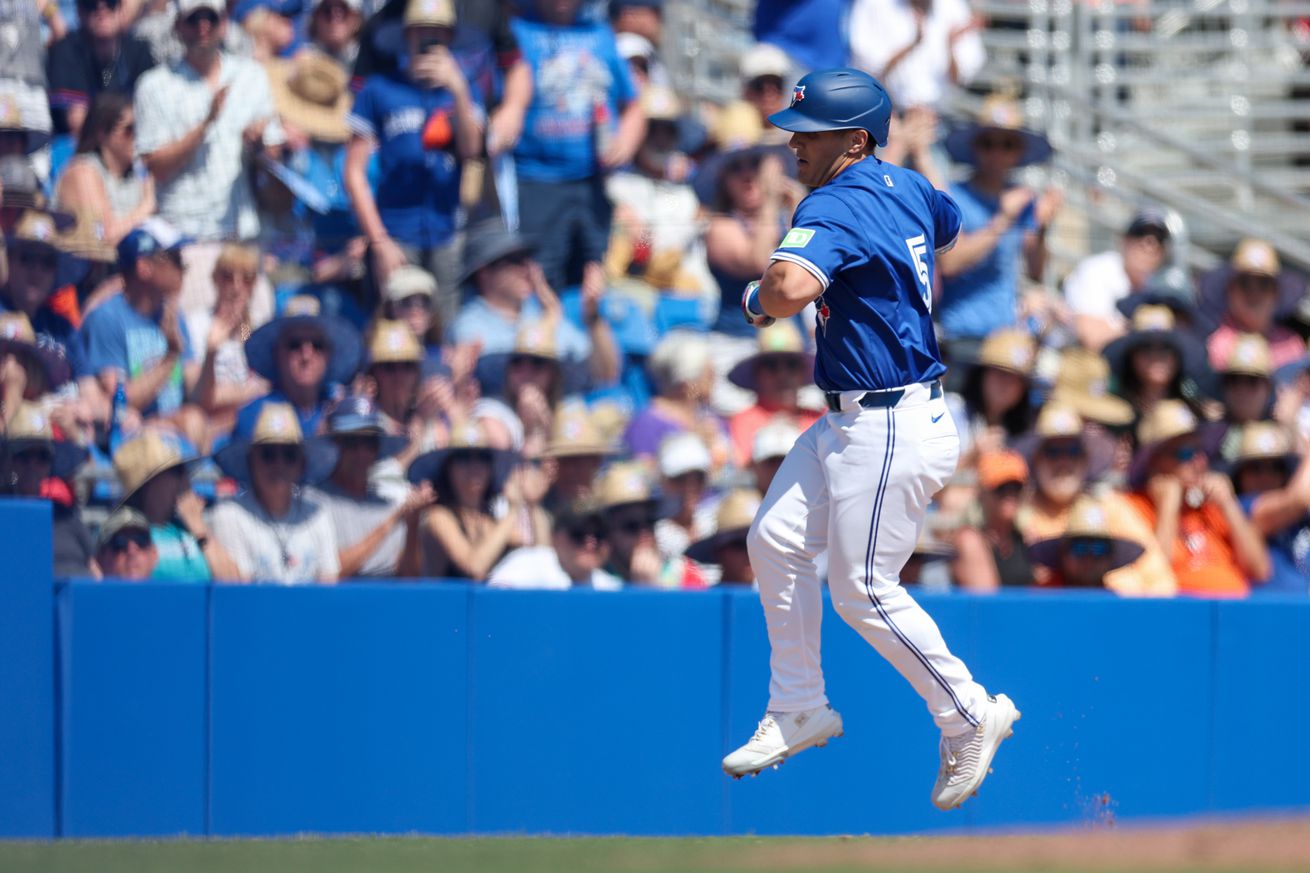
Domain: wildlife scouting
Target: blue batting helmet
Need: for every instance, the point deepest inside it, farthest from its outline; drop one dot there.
(838, 99)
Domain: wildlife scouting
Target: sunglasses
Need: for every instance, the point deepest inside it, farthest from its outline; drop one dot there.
(396, 367)
(471, 456)
(295, 344)
(1056, 451)
(999, 143)
(413, 301)
(1088, 547)
(119, 542)
(528, 361)
(328, 10)
(781, 364)
(743, 165)
(248, 277)
(34, 456)
(581, 533)
(633, 526)
(273, 454)
(511, 261)
(1244, 380)
(1008, 489)
(355, 443)
(1186, 453)
(93, 5)
(206, 15)
(1268, 467)
(32, 258)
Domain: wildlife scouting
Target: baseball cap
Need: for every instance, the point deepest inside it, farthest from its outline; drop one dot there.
(408, 280)
(764, 60)
(1255, 257)
(634, 45)
(1149, 222)
(436, 13)
(774, 440)
(150, 237)
(186, 7)
(997, 468)
(123, 518)
(683, 453)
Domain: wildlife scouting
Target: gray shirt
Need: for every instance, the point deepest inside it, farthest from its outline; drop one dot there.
(353, 519)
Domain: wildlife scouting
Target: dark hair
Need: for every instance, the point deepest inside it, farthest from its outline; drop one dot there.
(1016, 420)
(104, 115)
(445, 490)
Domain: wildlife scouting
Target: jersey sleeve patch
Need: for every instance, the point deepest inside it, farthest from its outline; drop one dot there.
(797, 238)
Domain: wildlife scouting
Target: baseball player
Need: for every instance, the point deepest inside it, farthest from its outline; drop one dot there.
(858, 482)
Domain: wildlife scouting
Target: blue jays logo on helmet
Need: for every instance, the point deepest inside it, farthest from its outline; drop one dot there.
(838, 99)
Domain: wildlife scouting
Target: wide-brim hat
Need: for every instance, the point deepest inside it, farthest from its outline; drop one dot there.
(86, 240)
(705, 181)
(343, 356)
(575, 435)
(277, 424)
(18, 339)
(1249, 356)
(489, 243)
(1003, 114)
(467, 439)
(357, 415)
(1082, 382)
(733, 520)
(30, 426)
(1060, 420)
(625, 483)
(1156, 324)
(1087, 520)
(780, 339)
(1168, 420)
(144, 457)
(1262, 441)
(1008, 349)
(312, 93)
(393, 342)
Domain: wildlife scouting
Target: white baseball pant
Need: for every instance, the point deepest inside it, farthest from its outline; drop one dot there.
(858, 483)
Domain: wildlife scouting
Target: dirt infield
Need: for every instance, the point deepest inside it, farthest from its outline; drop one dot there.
(1282, 844)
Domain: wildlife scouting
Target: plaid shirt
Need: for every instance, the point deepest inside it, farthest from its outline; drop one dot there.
(211, 198)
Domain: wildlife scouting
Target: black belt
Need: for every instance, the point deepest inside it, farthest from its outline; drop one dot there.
(880, 399)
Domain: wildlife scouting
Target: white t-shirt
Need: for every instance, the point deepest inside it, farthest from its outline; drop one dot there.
(1096, 284)
(352, 520)
(538, 567)
(298, 549)
(879, 29)
(230, 367)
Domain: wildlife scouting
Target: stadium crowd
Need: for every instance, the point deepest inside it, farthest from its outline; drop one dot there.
(301, 291)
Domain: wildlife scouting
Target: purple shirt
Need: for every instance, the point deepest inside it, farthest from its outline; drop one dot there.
(648, 429)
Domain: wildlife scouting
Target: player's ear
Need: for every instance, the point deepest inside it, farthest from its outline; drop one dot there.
(858, 142)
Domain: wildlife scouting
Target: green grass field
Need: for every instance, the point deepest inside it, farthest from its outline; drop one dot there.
(529, 855)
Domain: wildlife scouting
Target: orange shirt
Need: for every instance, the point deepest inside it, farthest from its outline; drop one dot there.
(743, 425)
(1203, 557)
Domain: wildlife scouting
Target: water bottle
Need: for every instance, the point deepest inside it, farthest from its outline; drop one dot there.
(602, 127)
(116, 417)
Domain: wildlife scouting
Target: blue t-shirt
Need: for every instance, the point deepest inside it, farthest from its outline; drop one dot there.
(984, 297)
(56, 334)
(117, 337)
(870, 237)
(417, 190)
(574, 71)
(180, 556)
(812, 32)
(1289, 556)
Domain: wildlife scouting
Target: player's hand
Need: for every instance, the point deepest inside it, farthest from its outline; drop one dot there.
(749, 303)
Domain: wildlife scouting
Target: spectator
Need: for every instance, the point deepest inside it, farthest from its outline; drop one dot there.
(771, 444)
(138, 337)
(683, 377)
(273, 532)
(334, 27)
(464, 537)
(1100, 281)
(776, 374)
(1065, 455)
(684, 466)
(200, 146)
(574, 558)
(523, 416)
(1251, 298)
(1213, 285)
(584, 121)
(376, 537)
(153, 471)
(29, 457)
(125, 551)
(765, 71)
(1171, 287)
(33, 260)
(1155, 361)
(1273, 486)
(20, 190)
(391, 374)
(511, 290)
(1214, 550)
(630, 509)
(995, 404)
(100, 57)
(27, 370)
(224, 332)
(303, 354)
(1088, 554)
(104, 178)
(24, 105)
(408, 297)
(1002, 237)
(1082, 383)
(573, 458)
(422, 124)
(271, 25)
(993, 554)
(158, 27)
(1246, 388)
(726, 547)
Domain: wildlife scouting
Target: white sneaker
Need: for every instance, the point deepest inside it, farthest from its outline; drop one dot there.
(781, 735)
(967, 759)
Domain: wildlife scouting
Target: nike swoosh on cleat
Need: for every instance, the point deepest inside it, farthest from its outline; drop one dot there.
(938, 417)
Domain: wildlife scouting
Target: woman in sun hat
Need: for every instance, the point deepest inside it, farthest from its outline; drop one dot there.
(726, 547)
(273, 532)
(1087, 554)
(1156, 361)
(464, 535)
(995, 402)
(1273, 485)
(154, 470)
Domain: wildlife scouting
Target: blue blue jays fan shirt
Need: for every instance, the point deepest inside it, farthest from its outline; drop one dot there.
(573, 70)
(870, 237)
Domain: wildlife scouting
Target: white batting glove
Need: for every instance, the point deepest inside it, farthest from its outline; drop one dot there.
(750, 306)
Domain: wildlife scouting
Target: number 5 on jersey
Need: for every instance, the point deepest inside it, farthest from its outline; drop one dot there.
(918, 247)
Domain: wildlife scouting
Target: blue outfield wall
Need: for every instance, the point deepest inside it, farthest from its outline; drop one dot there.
(448, 709)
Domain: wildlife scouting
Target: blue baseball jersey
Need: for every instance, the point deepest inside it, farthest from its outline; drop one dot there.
(870, 236)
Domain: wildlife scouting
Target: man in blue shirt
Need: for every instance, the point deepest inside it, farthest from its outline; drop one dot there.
(584, 121)
(861, 248)
(423, 122)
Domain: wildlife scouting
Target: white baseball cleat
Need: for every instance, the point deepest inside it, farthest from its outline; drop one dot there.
(967, 759)
(781, 735)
